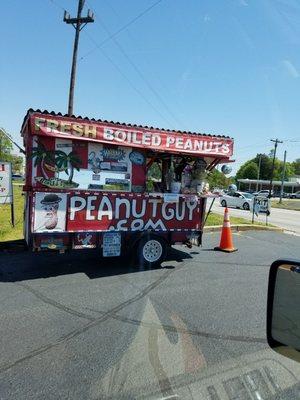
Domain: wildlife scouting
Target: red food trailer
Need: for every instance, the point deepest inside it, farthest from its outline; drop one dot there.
(114, 186)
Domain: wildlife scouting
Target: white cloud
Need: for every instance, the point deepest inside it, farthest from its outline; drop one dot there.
(291, 69)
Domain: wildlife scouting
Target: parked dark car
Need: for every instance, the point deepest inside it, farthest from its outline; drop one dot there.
(277, 194)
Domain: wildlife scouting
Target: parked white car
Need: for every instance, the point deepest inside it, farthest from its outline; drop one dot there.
(263, 193)
(295, 195)
(237, 199)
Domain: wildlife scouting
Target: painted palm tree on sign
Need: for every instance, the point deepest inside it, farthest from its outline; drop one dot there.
(42, 156)
(67, 162)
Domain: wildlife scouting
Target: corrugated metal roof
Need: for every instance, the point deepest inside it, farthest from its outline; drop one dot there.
(31, 111)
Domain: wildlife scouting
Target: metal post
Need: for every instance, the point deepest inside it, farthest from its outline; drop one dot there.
(283, 177)
(258, 172)
(76, 22)
(12, 212)
(211, 204)
(253, 208)
(276, 141)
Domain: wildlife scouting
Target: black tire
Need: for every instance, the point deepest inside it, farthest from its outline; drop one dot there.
(151, 250)
(223, 203)
(246, 206)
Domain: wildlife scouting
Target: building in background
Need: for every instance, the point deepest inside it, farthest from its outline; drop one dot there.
(290, 186)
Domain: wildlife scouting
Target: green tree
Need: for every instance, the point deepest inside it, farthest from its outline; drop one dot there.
(217, 179)
(249, 170)
(154, 171)
(296, 165)
(17, 164)
(265, 165)
(6, 147)
(271, 153)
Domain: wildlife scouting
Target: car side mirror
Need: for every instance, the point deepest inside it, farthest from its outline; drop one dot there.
(283, 309)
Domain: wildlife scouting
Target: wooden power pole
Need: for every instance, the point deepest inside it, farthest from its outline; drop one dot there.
(276, 141)
(79, 23)
(283, 177)
(258, 171)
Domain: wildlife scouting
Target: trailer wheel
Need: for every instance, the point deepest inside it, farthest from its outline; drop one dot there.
(151, 250)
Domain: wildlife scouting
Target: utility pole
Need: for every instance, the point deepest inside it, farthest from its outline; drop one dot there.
(283, 176)
(258, 172)
(78, 23)
(276, 141)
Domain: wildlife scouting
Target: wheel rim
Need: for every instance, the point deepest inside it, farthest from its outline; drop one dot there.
(152, 251)
(246, 206)
(223, 203)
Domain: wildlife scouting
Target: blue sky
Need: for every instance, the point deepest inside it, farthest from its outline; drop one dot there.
(226, 67)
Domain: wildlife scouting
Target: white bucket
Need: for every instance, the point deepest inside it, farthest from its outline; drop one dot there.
(175, 187)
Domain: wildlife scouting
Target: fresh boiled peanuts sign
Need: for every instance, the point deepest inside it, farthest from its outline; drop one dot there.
(154, 139)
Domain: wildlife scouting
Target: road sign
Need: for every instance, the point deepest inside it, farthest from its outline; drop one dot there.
(262, 205)
(6, 190)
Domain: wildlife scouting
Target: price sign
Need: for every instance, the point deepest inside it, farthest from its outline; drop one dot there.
(6, 191)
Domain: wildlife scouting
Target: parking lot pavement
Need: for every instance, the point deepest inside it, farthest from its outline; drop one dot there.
(74, 326)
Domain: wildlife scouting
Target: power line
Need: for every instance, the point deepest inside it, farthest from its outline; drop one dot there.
(282, 177)
(112, 35)
(57, 5)
(141, 75)
(250, 146)
(8, 136)
(98, 46)
(129, 81)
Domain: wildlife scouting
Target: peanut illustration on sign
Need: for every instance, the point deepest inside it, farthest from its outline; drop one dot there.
(50, 204)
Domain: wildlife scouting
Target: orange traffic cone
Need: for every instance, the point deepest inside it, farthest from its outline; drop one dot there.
(226, 243)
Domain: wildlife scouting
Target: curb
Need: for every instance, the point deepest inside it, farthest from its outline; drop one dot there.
(244, 227)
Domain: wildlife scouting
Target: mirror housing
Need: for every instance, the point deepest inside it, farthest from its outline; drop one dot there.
(283, 308)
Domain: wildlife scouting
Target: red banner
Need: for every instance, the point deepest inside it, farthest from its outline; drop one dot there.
(153, 139)
(103, 212)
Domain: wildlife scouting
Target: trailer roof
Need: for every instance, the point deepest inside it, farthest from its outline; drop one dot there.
(121, 124)
(51, 124)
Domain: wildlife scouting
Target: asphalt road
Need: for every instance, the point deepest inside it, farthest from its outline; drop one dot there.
(74, 327)
(287, 219)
